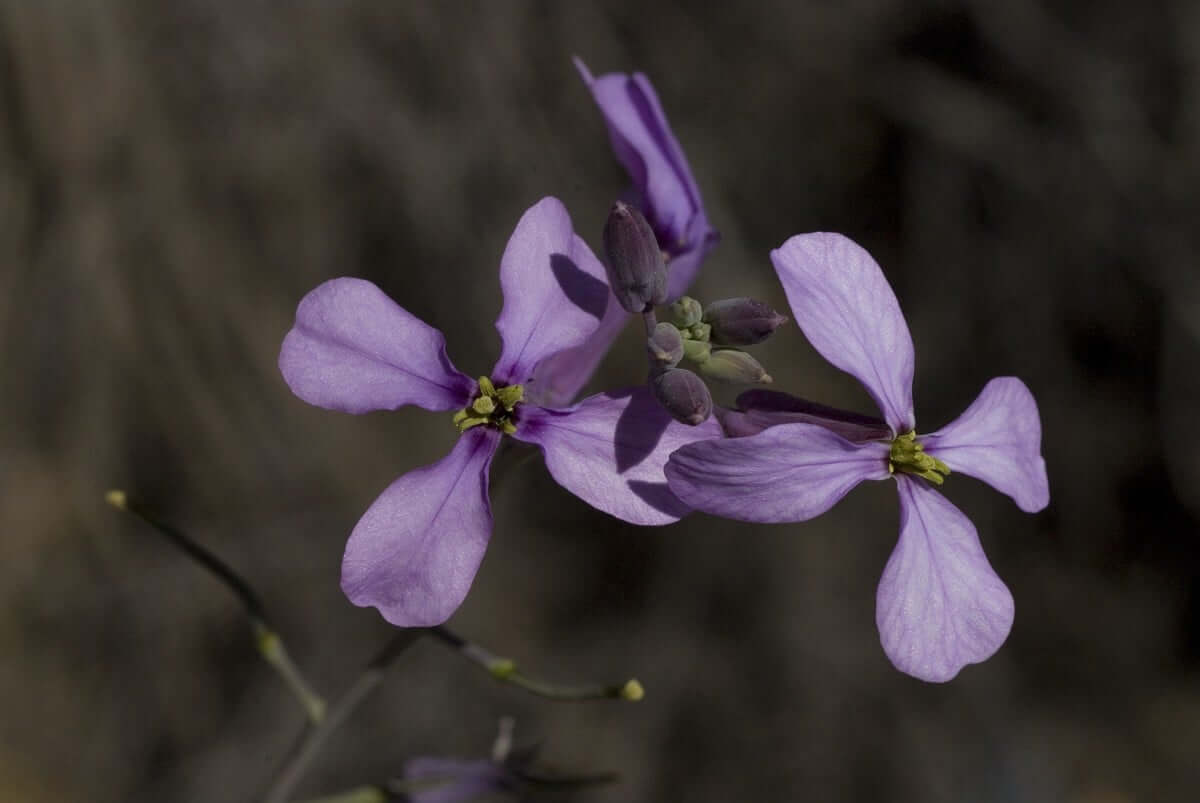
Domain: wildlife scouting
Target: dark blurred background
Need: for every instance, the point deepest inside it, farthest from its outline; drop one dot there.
(174, 176)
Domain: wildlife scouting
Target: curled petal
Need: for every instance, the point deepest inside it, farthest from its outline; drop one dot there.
(415, 551)
(610, 449)
(760, 409)
(849, 313)
(998, 439)
(555, 292)
(353, 349)
(664, 187)
(940, 606)
(561, 376)
(792, 472)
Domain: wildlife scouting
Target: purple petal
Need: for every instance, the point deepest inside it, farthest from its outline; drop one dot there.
(415, 551)
(761, 409)
(939, 606)
(455, 780)
(610, 449)
(850, 315)
(561, 376)
(555, 292)
(664, 188)
(354, 349)
(998, 440)
(791, 472)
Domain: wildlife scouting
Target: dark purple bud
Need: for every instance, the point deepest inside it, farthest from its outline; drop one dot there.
(741, 321)
(684, 395)
(731, 365)
(665, 346)
(636, 270)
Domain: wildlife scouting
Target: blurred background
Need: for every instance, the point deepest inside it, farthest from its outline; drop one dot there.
(175, 176)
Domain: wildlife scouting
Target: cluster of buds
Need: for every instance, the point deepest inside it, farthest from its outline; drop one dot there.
(708, 337)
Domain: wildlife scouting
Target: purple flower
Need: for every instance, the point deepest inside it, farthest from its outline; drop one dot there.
(415, 551)
(663, 190)
(939, 606)
(451, 780)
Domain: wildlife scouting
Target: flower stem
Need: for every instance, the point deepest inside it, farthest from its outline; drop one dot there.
(317, 733)
(266, 640)
(505, 670)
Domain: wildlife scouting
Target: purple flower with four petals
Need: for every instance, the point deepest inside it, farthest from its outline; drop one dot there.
(665, 192)
(939, 605)
(416, 550)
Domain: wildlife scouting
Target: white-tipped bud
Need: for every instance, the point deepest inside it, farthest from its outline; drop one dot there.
(636, 270)
(741, 321)
(684, 395)
(731, 365)
(665, 346)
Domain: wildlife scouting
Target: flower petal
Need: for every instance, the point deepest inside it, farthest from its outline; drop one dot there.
(998, 439)
(792, 472)
(610, 449)
(354, 349)
(940, 606)
(849, 313)
(452, 780)
(555, 292)
(561, 376)
(760, 409)
(415, 551)
(664, 188)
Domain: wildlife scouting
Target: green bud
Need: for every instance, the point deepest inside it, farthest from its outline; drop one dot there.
(731, 365)
(636, 271)
(741, 321)
(686, 312)
(684, 395)
(665, 346)
(696, 351)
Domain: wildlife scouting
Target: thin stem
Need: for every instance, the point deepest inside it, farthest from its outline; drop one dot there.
(314, 737)
(505, 670)
(266, 640)
(650, 321)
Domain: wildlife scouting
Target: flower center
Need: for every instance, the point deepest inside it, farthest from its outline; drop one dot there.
(493, 407)
(908, 455)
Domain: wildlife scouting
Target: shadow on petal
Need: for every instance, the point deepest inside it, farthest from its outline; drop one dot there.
(582, 289)
(658, 496)
(639, 428)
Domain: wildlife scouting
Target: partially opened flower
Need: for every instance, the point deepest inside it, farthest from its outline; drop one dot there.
(414, 553)
(939, 606)
(665, 192)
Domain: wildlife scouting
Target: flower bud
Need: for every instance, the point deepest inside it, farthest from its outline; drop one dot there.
(731, 365)
(741, 321)
(665, 346)
(686, 312)
(636, 270)
(684, 395)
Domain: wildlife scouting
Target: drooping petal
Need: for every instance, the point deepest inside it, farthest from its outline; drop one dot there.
(555, 292)
(940, 606)
(998, 439)
(664, 188)
(792, 472)
(561, 376)
(759, 409)
(610, 449)
(353, 349)
(415, 551)
(849, 313)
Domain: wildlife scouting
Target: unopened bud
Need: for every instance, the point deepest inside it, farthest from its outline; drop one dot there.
(696, 351)
(741, 321)
(686, 312)
(684, 395)
(731, 365)
(636, 271)
(665, 346)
